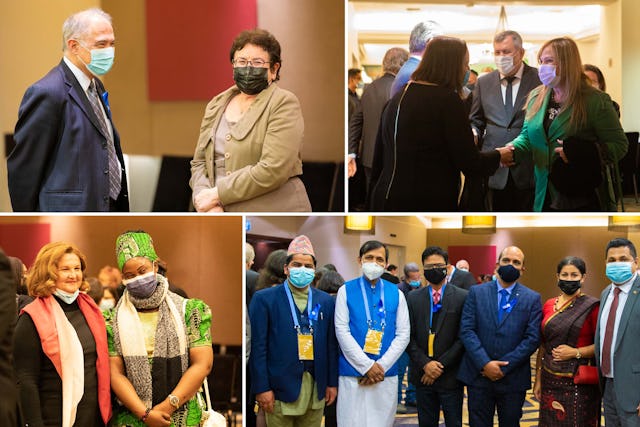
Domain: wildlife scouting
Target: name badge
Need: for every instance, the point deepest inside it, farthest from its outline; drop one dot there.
(373, 342)
(432, 338)
(305, 347)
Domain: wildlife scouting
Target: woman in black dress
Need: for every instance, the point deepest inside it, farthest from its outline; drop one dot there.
(60, 349)
(425, 141)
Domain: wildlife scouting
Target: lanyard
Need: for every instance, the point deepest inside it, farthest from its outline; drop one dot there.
(312, 313)
(435, 308)
(381, 311)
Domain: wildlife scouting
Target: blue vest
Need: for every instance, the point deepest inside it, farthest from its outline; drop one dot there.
(358, 320)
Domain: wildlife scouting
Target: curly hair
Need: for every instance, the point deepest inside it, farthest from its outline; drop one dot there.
(43, 275)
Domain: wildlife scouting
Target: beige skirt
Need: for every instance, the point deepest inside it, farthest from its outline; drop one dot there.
(289, 197)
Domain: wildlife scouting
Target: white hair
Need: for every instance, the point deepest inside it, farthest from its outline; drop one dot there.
(77, 25)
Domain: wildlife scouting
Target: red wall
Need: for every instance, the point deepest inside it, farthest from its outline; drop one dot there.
(188, 44)
(24, 240)
(482, 259)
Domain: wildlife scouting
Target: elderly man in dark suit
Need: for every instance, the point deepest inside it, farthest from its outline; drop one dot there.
(67, 155)
(363, 126)
(434, 347)
(500, 330)
(618, 335)
(461, 278)
(497, 117)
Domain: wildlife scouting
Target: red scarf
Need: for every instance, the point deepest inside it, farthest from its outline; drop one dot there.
(41, 313)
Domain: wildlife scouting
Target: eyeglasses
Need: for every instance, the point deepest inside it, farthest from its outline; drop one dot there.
(243, 62)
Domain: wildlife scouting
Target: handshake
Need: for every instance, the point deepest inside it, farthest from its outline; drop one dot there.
(208, 200)
(506, 155)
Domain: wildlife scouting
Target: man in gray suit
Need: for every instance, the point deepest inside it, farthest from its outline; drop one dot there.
(363, 126)
(618, 335)
(497, 116)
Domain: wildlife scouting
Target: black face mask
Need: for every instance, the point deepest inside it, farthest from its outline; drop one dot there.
(508, 273)
(569, 287)
(435, 275)
(251, 80)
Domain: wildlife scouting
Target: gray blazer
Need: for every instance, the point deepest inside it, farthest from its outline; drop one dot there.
(364, 122)
(495, 129)
(626, 357)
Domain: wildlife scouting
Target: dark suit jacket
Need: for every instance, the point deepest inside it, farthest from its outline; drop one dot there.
(495, 129)
(462, 279)
(626, 357)
(514, 339)
(363, 125)
(447, 347)
(252, 282)
(8, 403)
(274, 360)
(433, 141)
(60, 161)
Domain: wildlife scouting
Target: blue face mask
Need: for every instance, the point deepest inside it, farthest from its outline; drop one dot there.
(619, 272)
(414, 283)
(101, 60)
(301, 276)
(508, 273)
(466, 78)
(67, 297)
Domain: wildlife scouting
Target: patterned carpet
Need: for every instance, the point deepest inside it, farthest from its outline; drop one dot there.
(529, 416)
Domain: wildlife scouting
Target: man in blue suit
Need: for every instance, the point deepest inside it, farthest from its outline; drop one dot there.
(500, 330)
(294, 352)
(618, 335)
(67, 155)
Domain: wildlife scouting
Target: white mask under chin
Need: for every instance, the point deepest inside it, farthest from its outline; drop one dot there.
(372, 270)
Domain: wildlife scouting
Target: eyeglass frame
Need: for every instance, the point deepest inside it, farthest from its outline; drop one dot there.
(249, 62)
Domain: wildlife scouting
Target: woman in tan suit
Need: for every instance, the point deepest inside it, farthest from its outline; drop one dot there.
(248, 153)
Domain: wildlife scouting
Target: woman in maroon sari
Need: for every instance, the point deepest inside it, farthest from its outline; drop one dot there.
(568, 330)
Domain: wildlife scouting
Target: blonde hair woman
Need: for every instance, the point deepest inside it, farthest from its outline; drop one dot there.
(569, 128)
(60, 353)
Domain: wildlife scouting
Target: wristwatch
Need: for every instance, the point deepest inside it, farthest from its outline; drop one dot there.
(578, 355)
(174, 401)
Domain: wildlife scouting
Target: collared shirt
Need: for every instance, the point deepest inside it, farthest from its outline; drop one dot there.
(509, 289)
(515, 85)
(622, 299)
(84, 83)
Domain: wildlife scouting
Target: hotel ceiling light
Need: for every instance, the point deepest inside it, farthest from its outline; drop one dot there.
(624, 223)
(479, 224)
(359, 224)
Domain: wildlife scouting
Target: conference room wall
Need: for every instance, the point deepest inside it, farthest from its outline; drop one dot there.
(204, 255)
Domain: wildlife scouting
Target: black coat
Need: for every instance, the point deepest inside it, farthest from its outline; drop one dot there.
(8, 402)
(419, 169)
(448, 348)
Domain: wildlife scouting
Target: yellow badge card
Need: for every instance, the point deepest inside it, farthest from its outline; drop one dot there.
(432, 338)
(305, 347)
(373, 342)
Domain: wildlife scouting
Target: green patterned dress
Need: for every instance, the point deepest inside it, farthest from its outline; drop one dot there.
(198, 322)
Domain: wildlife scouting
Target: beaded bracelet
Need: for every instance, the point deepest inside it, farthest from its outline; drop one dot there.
(146, 415)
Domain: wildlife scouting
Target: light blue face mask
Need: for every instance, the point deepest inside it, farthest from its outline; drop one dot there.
(65, 296)
(301, 276)
(101, 60)
(466, 78)
(619, 272)
(414, 283)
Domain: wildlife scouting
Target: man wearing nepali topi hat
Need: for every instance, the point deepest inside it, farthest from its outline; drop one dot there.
(294, 352)
(159, 343)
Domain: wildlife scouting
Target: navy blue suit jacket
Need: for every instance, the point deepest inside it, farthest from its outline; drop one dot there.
(60, 161)
(274, 359)
(514, 339)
